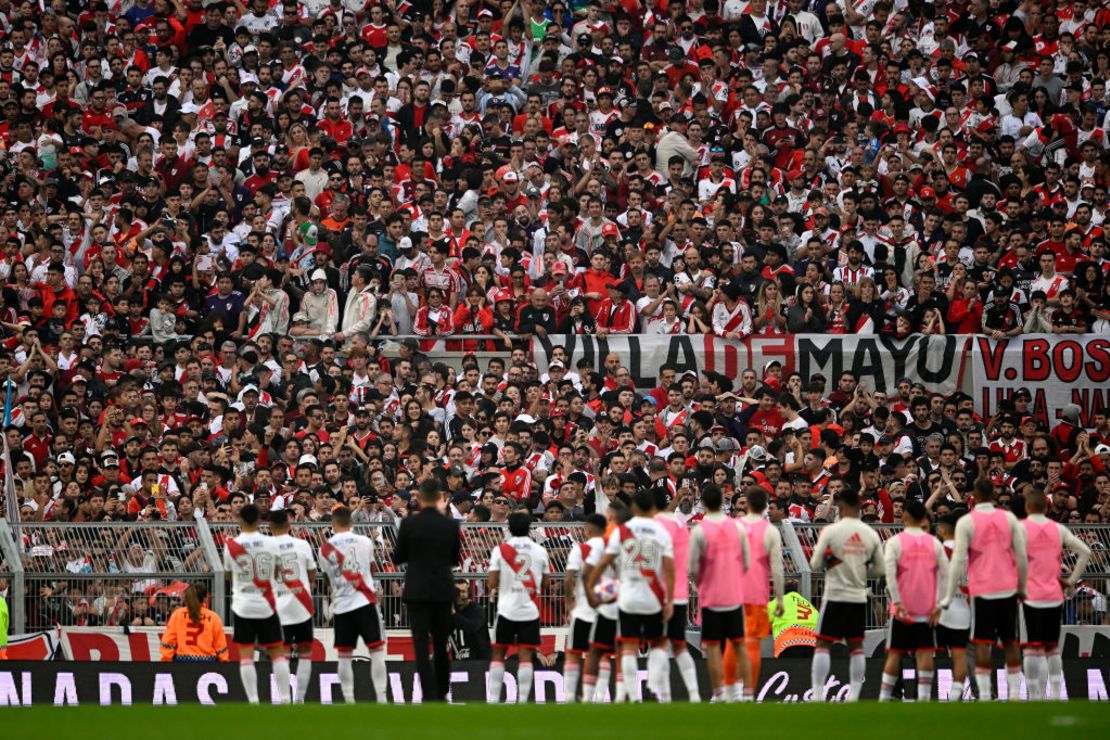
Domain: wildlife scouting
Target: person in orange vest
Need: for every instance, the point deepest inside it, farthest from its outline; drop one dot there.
(195, 633)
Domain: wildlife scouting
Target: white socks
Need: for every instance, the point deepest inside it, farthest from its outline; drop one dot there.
(630, 676)
(983, 683)
(956, 691)
(604, 675)
(856, 667)
(524, 682)
(1013, 682)
(659, 674)
(689, 672)
(1055, 665)
(378, 676)
(1036, 674)
(304, 677)
(570, 682)
(281, 677)
(924, 685)
(818, 672)
(249, 677)
(886, 688)
(347, 679)
(496, 679)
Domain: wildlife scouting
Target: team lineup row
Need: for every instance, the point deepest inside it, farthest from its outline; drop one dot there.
(986, 578)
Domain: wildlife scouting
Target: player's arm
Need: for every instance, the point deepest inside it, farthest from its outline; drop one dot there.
(569, 578)
(228, 564)
(965, 527)
(1083, 556)
(817, 558)
(1017, 533)
(875, 562)
(890, 565)
(942, 580)
(668, 584)
(745, 547)
(695, 550)
(773, 543)
(494, 581)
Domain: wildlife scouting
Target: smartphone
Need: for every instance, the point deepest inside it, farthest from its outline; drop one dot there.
(205, 262)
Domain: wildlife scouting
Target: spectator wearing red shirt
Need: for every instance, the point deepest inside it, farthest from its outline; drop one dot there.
(516, 481)
(333, 124)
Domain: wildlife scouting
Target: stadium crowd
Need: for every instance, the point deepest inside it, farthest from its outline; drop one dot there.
(237, 237)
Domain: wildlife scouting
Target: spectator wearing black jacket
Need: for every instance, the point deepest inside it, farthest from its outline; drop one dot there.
(537, 317)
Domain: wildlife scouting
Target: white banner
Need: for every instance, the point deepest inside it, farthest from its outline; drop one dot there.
(1056, 370)
(878, 361)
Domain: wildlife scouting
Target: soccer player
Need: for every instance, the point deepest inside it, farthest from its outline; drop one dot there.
(916, 571)
(992, 543)
(582, 615)
(676, 625)
(516, 573)
(1041, 612)
(848, 551)
(644, 555)
(252, 558)
(296, 574)
(765, 549)
(954, 630)
(718, 560)
(603, 636)
(346, 558)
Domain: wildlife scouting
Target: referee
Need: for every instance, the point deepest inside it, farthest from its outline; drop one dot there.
(429, 543)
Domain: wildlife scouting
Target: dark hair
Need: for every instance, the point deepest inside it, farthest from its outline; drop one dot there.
(984, 489)
(757, 499)
(849, 497)
(711, 497)
(249, 514)
(597, 521)
(430, 491)
(915, 509)
(341, 516)
(519, 523)
(194, 600)
(279, 519)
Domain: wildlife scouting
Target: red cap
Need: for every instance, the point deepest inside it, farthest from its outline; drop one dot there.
(901, 129)
(133, 364)
(928, 192)
(610, 229)
(794, 174)
(503, 295)
(559, 267)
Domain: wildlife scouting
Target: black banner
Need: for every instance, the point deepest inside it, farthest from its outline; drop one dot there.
(61, 683)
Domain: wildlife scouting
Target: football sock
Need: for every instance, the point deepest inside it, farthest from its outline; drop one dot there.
(347, 678)
(886, 688)
(570, 683)
(1013, 682)
(304, 678)
(924, 685)
(496, 678)
(956, 691)
(379, 676)
(281, 676)
(818, 672)
(659, 674)
(1034, 675)
(857, 664)
(1055, 666)
(619, 691)
(630, 676)
(604, 676)
(524, 682)
(589, 687)
(983, 683)
(250, 679)
(689, 672)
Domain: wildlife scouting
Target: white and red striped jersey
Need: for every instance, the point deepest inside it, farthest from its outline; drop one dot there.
(296, 571)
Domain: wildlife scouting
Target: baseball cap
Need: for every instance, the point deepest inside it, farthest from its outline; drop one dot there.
(319, 275)
(610, 229)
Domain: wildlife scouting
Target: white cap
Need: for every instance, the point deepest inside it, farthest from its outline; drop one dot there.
(1101, 449)
(526, 418)
(405, 243)
(307, 460)
(319, 274)
(66, 457)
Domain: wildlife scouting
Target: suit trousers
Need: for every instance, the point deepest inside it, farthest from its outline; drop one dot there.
(431, 619)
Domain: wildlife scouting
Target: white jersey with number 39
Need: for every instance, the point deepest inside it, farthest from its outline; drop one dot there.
(521, 563)
(641, 546)
(346, 559)
(252, 557)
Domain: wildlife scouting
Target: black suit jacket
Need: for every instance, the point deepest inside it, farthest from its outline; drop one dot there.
(429, 543)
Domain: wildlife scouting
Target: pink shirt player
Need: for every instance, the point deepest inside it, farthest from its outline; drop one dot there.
(916, 573)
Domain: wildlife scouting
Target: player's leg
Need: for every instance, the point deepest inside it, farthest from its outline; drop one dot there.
(244, 637)
(497, 663)
(892, 667)
(1053, 665)
(630, 634)
(757, 625)
(925, 664)
(590, 672)
(982, 636)
(345, 638)
(525, 675)
(676, 634)
(279, 658)
(729, 675)
(1007, 633)
(373, 633)
(711, 640)
(819, 669)
(572, 662)
(959, 668)
(303, 645)
(857, 666)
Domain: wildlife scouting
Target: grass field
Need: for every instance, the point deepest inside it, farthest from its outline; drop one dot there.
(314, 722)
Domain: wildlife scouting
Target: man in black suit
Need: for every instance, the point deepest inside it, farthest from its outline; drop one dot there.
(429, 543)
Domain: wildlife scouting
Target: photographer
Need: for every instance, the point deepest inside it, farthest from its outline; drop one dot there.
(470, 633)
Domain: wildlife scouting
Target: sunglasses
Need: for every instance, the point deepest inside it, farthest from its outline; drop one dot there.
(504, 501)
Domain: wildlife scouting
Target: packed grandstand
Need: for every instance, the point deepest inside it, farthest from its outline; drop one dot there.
(551, 254)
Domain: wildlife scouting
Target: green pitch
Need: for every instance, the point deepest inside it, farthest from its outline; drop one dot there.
(314, 722)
